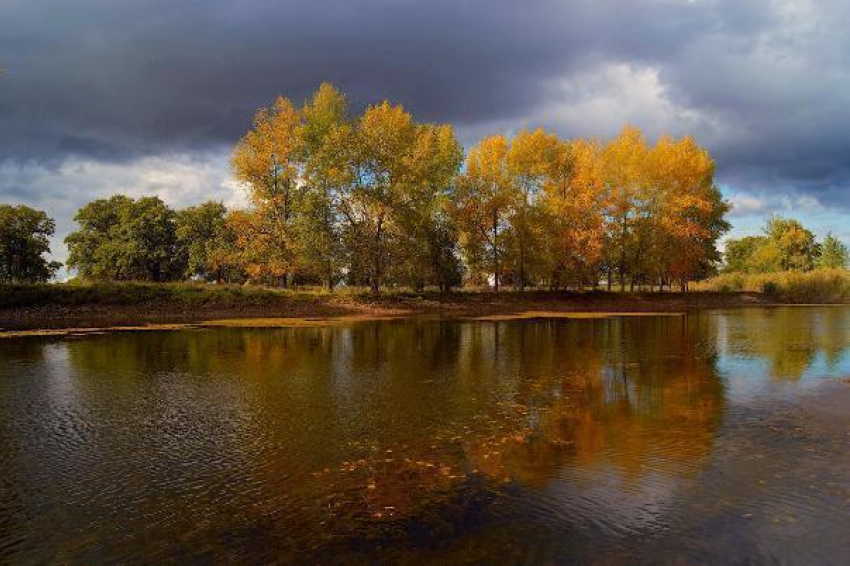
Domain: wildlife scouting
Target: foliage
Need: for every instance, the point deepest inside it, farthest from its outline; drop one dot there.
(24, 234)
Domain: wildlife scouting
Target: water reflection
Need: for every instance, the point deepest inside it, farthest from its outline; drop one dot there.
(426, 439)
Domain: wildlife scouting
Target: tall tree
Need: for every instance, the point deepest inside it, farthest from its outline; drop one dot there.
(574, 200)
(326, 155)
(529, 157)
(623, 161)
(486, 197)
(24, 239)
(267, 160)
(399, 167)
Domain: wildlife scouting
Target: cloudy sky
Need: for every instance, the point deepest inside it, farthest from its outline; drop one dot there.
(148, 96)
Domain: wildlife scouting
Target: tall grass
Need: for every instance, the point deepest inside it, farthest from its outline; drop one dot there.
(129, 293)
(824, 286)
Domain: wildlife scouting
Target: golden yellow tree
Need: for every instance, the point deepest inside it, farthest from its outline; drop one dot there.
(529, 157)
(486, 197)
(574, 199)
(266, 159)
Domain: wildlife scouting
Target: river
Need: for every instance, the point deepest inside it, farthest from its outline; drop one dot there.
(714, 436)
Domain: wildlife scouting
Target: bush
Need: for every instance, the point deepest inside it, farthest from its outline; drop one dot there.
(818, 286)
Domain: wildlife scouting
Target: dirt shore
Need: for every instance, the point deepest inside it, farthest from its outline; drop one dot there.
(136, 310)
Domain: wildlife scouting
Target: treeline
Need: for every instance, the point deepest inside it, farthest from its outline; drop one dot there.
(784, 245)
(378, 199)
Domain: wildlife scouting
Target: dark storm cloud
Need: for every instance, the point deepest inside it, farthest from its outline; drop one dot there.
(763, 83)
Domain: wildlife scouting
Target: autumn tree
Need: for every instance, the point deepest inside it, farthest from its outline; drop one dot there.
(574, 201)
(529, 158)
(486, 197)
(686, 213)
(425, 244)
(399, 167)
(24, 239)
(623, 165)
(267, 160)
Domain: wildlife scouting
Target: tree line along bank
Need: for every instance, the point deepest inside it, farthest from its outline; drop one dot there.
(381, 200)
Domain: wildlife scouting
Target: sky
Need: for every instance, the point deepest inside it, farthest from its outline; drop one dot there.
(149, 96)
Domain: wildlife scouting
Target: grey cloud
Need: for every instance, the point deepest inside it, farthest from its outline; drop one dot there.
(768, 80)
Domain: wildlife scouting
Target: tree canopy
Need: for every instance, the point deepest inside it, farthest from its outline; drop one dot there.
(24, 239)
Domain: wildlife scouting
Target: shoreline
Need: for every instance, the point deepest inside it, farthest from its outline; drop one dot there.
(145, 307)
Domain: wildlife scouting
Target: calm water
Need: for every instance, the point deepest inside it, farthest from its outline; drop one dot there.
(711, 437)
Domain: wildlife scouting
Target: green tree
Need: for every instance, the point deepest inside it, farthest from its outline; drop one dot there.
(740, 253)
(200, 231)
(795, 245)
(123, 239)
(833, 253)
(326, 147)
(24, 234)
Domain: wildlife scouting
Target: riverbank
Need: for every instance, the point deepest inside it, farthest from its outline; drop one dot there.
(52, 307)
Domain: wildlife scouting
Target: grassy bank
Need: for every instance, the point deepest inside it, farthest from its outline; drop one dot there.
(822, 286)
(121, 304)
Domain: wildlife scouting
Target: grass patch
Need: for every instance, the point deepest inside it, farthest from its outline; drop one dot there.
(129, 294)
(821, 286)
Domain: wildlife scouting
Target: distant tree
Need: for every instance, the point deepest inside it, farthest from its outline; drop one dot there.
(200, 231)
(124, 239)
(740, 253)
(833, 253)
(794, 245)
(24, 234)
(785, 246)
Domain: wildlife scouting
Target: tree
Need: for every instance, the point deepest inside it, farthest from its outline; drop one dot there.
(24, 234)
(200, 231)
(623, 164)
(529, 158)
(267, 160)
(685, 212)
(124, 239)
(486, 196)
(424, 243)
(326, 147)
(399, 169)
(794, 245)
(833, 253)
(740, 253)
(574, 201)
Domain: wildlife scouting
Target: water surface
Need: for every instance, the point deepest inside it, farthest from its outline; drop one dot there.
(709, 437)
